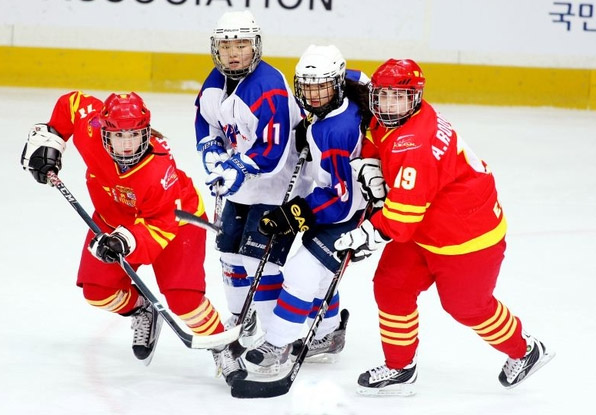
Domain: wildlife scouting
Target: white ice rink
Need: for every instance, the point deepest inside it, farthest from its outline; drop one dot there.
(60, 356)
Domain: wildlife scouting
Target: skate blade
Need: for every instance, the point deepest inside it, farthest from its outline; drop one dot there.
(324, 358)
(404, 390)
(547, 357)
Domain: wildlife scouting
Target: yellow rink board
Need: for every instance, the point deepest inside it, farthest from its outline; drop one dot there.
(179, 72)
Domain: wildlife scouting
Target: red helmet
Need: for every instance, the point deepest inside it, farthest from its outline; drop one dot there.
(403, 73)
(124, 112)
(402, 77)
(125, 128)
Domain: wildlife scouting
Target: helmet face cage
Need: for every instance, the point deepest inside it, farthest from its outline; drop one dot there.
(125, 129)
(219, 45)
(126, 147)
(393, 106)
(326, 93)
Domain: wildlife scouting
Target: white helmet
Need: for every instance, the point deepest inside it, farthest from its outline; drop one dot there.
(232, 26)
(324, 66)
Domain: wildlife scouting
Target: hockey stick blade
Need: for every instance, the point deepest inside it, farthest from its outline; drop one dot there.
(197, 221)
(251, 389)
(215, 340)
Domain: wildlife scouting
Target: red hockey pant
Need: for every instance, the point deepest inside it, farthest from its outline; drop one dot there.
(465, 285)
(178, 271)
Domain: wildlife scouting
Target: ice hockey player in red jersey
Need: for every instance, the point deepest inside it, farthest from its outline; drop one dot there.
(441, 223)
(135, 187)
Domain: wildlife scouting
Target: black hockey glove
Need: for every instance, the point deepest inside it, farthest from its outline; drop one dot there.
(292, 217)
(42, 152)
(301, 137)
(109, 247)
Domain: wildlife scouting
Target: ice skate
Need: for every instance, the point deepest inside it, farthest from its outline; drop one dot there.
(327, 349)
(268, 359)
(250, 336)
(232, 368)
(516, 371)
(384, 381)
(146, 323)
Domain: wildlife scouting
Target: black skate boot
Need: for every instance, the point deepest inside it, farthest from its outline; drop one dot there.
(384, 381)
(516, 371)
(146, 323)
(232, 368)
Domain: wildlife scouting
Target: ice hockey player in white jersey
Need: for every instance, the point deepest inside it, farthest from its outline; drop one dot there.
(338, 117)
(246, 113)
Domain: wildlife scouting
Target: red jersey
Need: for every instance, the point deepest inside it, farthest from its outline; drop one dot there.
(441, 195)
(142, 198)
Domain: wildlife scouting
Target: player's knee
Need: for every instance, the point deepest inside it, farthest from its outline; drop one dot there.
(115, 300)
(233, 272)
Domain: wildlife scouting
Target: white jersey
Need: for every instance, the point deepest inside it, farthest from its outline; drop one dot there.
(333, 142)
(257, 119)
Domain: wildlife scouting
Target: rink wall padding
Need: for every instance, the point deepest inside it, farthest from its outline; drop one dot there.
(124, 71)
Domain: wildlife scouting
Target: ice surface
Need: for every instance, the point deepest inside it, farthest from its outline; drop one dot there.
(58, 355)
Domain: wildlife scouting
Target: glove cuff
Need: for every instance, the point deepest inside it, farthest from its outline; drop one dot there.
(46, 136)
(301, 214)
(208, 142)
(128, 238)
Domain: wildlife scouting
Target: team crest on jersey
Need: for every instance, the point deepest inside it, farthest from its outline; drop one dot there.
(124, 195)
(404, 143)
(170, 178)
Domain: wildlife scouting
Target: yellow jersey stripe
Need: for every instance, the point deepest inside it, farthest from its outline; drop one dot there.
(156, 233)
(406, 208)
(137, 167)
(486, 240)
(398, 217)
(75, 100)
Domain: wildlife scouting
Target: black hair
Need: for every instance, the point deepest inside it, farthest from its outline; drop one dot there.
(358, 93)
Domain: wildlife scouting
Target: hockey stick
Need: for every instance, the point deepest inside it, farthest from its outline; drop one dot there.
(267, 252)
(197, 221)
(189, 340)
(254, 389)
(218, 208)
(204, 223)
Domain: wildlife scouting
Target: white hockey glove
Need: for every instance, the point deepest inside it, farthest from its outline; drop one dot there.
(213, 152)
(108, 247)
(370, 177)
(227, 177)
(363, 240)
(42, 152)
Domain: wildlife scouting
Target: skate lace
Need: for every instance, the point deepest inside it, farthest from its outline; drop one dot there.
(513, 367)
(321, 343)
(267, 349)
(226, 364)
(381, 373)
(141, 324)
